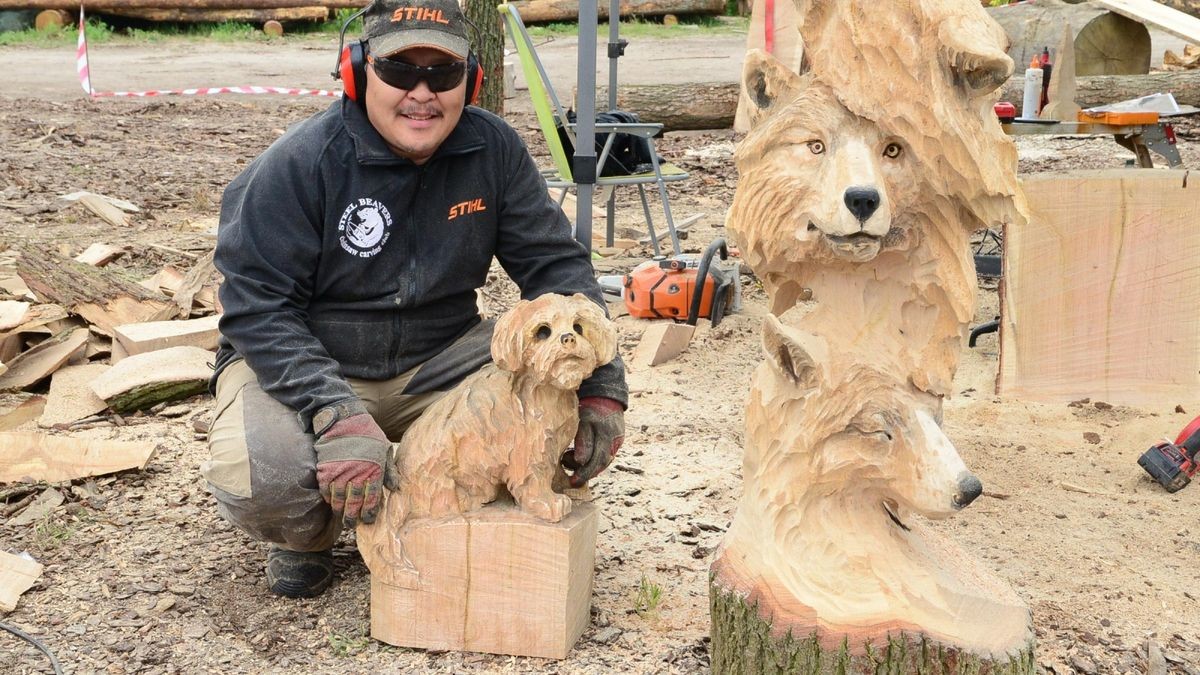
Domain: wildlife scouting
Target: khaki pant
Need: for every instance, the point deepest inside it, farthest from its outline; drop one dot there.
(262, 469)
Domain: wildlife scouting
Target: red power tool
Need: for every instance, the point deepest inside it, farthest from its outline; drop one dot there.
(1174, 464)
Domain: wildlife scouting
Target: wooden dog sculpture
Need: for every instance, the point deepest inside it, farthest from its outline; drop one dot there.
(506, 425)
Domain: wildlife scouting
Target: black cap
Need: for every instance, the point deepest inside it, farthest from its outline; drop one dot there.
(394, 25)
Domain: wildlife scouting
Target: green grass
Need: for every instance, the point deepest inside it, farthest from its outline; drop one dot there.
(101, 31)
(647, 598)
(343, 646)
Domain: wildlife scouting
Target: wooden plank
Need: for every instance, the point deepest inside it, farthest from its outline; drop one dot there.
(58, 458)
(71, 397)
(17, 575)
(139, 338)
(1100, 290)
(143, 380)
(99, 255)
(1173, 21)
(12, 313)
(496, 581)
(41, 361)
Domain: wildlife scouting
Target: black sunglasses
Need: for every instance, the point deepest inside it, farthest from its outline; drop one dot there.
(401, 75)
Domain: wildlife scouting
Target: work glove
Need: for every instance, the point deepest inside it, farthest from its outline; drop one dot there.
(350, 458)
(601, 433)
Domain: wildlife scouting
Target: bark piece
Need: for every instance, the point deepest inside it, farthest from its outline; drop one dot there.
(41, 361)
(53, 459)
(529, 589)
(99, 255)
(192, 283)
(29, 410)
(100, 296)
(17, 575)
(71, 397)
(138, 338)
(144, 380)
(1087, 282)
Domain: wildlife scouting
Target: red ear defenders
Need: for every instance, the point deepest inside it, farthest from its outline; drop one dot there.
(352, 71)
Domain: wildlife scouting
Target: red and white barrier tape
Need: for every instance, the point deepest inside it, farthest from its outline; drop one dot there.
(85, 81)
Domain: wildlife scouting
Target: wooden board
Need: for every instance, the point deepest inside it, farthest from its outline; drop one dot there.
(17, 574)
(662, 342)
(58, 458)
(496, 581)
(99, 255)
(71, 397)
(138, 338)
(144, 380)
(1173, 21)
(41, 361)
(1100, 290)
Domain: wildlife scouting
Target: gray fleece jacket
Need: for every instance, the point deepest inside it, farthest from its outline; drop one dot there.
(342, 259)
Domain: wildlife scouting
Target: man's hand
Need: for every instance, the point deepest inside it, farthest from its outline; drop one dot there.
(350, 459)
(601, 433)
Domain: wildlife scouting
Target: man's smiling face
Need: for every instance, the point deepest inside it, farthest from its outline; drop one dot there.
(414, 122)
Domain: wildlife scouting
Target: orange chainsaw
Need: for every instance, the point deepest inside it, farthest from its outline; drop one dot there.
(685, 286)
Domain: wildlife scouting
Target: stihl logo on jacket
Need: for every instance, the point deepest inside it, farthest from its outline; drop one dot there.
(419, 14)
(467, 208)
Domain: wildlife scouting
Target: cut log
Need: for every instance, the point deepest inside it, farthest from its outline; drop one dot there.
(100, 296)
(680, 110)
(102, 6)
(1087, 283)
(51, 19)
(41, 361)
(1112, 44)
(99, 255)
(71, 397)
(145, 380)
(495, 580)
(17, 575)
(543, 11)
(38, 457)
(678, 107)
(199, 14)
(1156, 14)
(138, 338)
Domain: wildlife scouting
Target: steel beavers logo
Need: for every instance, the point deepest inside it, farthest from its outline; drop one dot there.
(364, 227)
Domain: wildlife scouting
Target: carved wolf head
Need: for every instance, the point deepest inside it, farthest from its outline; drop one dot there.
(558, 340)
(844, 426)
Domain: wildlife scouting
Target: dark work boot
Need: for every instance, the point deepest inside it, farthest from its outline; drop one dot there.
(299, 574)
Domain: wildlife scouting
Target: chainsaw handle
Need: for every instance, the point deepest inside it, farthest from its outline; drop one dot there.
(702, 276)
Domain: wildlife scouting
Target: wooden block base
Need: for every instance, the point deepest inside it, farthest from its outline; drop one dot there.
(495, 580)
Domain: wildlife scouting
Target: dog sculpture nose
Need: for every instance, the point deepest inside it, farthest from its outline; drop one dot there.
(862, 202)
(567, 339)
(969, 488)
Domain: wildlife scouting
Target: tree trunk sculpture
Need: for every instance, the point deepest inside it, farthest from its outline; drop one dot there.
(860, 182)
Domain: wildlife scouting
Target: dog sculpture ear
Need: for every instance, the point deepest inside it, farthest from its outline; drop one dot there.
(795, 355)
(767, 82)
(597, 329)
(508, 340)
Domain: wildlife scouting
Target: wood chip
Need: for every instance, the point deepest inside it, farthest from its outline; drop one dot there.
(41, 361)
(41, 507)
(17, 575)
(99, 255)
(71, 397)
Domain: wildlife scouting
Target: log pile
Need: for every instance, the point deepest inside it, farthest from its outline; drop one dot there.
(63, 316)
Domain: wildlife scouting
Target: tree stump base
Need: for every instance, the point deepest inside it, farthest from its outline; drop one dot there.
(758, 629)
(495, 580)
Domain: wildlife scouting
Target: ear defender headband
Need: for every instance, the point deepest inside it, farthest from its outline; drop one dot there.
(351, 67)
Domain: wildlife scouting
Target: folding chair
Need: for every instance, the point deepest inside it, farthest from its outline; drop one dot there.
(560, 177)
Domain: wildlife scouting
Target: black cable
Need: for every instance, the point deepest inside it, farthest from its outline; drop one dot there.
(36, 643)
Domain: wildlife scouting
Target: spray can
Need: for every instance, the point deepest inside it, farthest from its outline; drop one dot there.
(1033, 90)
